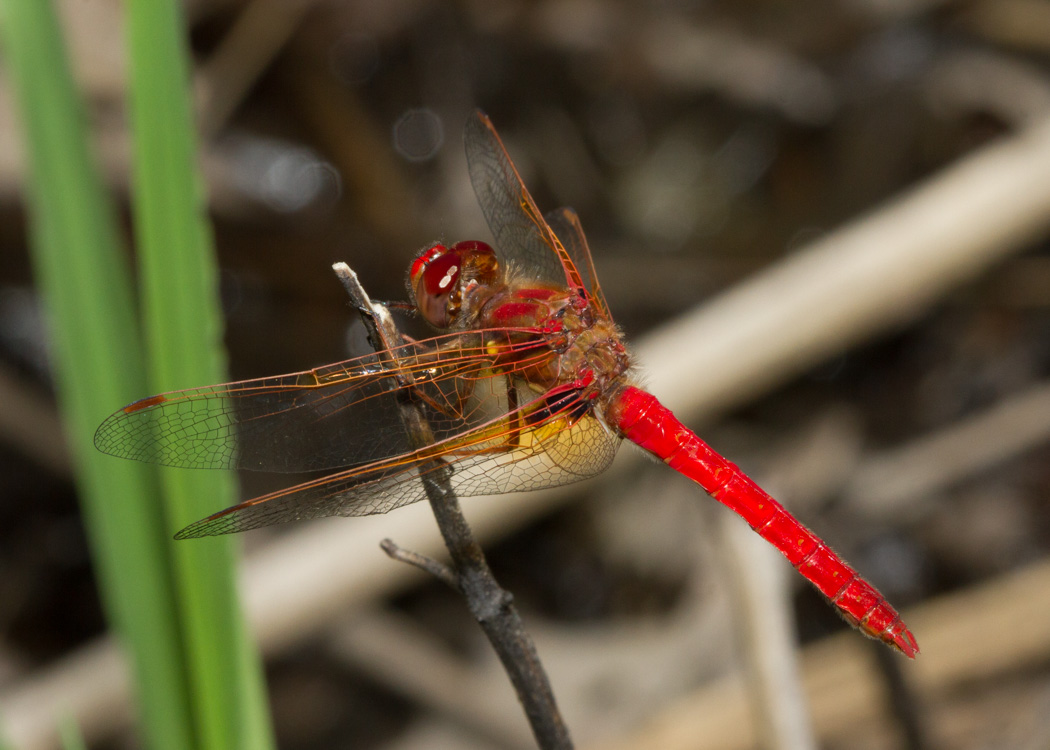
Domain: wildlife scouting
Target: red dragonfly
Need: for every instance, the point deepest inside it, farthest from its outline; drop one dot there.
(529, 386)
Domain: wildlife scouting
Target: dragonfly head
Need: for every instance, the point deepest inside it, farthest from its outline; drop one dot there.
(446, 279)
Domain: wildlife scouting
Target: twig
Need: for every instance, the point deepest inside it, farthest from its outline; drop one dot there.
(981, 81)
(744, 69)
(491, 606)
(956, 630)
(757, 577)
(259, 34)
(400, 654)
(870, 275)
(29, 423)
(893, 484)
(427, 564)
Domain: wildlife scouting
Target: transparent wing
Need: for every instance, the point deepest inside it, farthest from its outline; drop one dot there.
(522, 235)
(566, 226)
(335, 416)
(548, 441)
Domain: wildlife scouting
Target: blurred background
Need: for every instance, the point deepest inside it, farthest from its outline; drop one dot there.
(711, 149)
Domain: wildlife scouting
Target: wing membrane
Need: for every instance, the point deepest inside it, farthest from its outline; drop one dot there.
(565, 224)
(560, 447)
(340, 415)
(516, 222)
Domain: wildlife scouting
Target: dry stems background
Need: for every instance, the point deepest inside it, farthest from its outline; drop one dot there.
(823, 225)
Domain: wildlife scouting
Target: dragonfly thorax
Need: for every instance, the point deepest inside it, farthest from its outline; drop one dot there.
(587, 352)
(444, 280)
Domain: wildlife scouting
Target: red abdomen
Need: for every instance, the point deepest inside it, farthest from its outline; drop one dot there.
(642, 419)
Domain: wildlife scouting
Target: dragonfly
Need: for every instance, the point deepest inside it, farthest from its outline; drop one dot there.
(528, 384)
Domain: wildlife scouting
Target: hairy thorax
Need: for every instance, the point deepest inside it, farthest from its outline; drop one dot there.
(589, 349)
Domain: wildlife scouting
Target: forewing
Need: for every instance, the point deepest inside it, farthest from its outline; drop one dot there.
(522, 235)
(336, 416)
(559, 446)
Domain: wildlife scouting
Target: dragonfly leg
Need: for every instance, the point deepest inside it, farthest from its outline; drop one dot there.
(533, 419)
(408, 307)
(515, 416)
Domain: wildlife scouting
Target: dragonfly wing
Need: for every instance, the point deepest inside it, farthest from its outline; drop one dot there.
(522, 236)
(558, 448)
(282, 423)
(331, 417)
(565, 224)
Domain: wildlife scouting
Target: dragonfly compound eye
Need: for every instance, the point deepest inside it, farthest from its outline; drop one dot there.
(434, 281)
(441, 276)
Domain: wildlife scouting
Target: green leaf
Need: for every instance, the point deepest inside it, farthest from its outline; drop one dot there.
(72, 739)
(183, 332)
(81, 271)
(174, 607)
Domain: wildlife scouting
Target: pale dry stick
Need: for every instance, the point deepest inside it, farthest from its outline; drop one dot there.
(1033, 734)
(767, 638)
(968, 637)
(258, 35)
(430, 733)
(1017, 91)
(893, 484)
(819, 457)
(875, 273)
(28, 421)
(89, 685)
(358, 145)
(747, 70)
(675, 56)
(411, 661)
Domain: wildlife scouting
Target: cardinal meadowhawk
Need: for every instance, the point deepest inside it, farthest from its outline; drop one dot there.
(528, 386)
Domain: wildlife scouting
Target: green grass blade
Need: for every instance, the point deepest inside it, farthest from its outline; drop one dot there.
(5, 744)
(183, 327)
(81, 271)
(72, 739)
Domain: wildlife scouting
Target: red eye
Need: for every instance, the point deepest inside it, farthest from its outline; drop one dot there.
(441, 273)
(433, 279)
(440, 277)
(419, 265)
